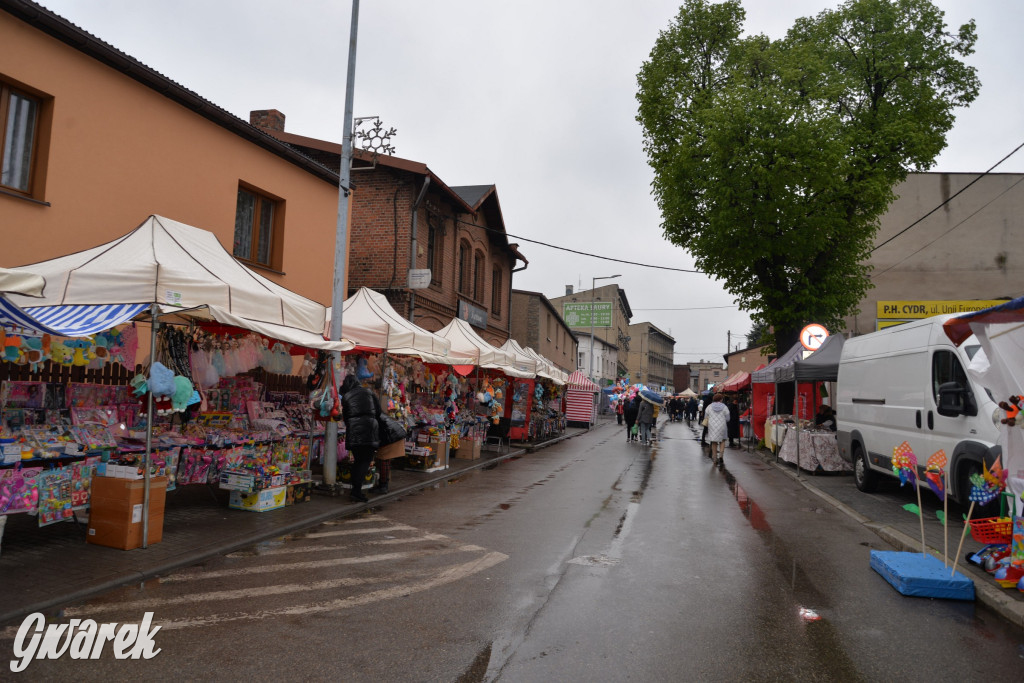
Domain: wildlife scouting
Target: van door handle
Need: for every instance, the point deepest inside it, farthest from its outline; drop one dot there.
(917, 418)
(931, 420)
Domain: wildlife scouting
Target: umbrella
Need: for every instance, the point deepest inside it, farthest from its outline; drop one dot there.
(652, 396)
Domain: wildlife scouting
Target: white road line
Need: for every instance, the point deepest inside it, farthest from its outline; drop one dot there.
(354, 532)
(312, 564)
(332, 548)
(447, 576)
(152, 604)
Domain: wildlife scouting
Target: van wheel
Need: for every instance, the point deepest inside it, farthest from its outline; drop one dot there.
(863, 477)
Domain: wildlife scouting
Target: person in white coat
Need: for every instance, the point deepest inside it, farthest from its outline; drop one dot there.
(717, 415)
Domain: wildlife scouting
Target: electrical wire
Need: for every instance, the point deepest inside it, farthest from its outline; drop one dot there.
(925, 246)
(581, 253)
(949, 199)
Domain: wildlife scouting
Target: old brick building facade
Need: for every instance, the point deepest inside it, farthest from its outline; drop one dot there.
(459, 236)
(537, 324)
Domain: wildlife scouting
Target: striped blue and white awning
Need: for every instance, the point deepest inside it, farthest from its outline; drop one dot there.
(68, 321)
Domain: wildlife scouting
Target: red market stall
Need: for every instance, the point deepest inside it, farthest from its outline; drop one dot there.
(580, 403)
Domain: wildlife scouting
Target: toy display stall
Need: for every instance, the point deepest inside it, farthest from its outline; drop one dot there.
(580, 400)
(81, 413)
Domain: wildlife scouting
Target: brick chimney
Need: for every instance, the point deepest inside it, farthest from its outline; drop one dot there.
(271, 119)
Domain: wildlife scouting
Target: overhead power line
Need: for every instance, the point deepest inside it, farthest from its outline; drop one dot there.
(949, 199)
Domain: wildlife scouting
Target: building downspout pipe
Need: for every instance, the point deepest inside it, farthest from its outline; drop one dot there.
(412, 246)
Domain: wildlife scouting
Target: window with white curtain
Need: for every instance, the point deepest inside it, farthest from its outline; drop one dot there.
(19, 116)
(255, 218)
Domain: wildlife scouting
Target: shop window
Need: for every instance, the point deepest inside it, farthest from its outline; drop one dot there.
(257, 227)
(496, 293)
(21, 137)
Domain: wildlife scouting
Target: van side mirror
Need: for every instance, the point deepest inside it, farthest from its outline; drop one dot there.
(953, 400)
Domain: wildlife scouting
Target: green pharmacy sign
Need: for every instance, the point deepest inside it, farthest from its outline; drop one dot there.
(596, 314)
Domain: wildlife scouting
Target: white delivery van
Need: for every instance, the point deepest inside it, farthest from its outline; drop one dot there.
(908, 383)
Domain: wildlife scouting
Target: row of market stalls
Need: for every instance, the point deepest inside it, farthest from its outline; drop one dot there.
(235, 381)
(787, 395)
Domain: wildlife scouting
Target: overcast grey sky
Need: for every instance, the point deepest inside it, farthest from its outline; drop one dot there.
(535, 96)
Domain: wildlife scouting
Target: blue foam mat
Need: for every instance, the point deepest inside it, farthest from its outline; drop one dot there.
(921, 575)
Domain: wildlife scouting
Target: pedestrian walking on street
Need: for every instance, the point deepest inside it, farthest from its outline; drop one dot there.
(618, 410)
(691, 409)
(734, 421)
(703, 421)
(360, 409)
(717, 415)
(645, 418)
(629, 412)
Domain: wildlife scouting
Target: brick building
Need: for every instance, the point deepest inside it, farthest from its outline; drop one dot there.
(400, 207)
(537, 324)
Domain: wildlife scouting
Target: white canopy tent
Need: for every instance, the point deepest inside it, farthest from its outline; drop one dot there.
(522, 361)
(18, 282)
(466, 342)
(181, 269)
(549, 370)
(369, 321)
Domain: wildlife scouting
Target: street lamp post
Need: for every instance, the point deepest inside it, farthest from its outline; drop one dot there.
(593, 282)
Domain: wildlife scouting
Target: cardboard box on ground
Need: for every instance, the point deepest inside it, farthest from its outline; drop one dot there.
(115, 513)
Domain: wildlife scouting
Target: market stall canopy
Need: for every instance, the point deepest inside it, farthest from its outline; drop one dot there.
(999, 367)
(466, 342)
(181, 268)
(523, 362)
(369, 320)
(546, 368)
(577, 381)
(769, 374)
(18, 282)
(820, 366)
(737, 382)
(687, 393)
(960, 327)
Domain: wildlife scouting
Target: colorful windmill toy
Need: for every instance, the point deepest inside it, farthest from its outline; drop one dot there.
(985, 488)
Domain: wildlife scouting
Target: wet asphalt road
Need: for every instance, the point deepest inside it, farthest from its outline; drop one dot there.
(590, 560)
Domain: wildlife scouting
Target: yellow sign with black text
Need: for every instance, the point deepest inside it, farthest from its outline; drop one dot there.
(914, 310)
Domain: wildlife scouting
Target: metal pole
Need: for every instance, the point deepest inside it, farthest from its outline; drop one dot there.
(590, 371)
(341, 243)
(155, 315)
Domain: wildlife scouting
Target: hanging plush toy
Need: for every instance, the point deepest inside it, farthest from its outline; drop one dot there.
(80, 357)
(32, 352)
(362, 372)
(538, 392)
(183, 391)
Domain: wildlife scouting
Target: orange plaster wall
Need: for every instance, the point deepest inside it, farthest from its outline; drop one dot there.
(119, 151)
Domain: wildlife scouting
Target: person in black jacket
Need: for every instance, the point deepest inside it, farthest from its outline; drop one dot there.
(360, 410)
(734, 421)
(630, 412)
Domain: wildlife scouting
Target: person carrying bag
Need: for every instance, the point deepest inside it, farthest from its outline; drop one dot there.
(392, 445)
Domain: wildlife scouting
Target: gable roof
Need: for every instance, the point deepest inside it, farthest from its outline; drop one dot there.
(63, 30)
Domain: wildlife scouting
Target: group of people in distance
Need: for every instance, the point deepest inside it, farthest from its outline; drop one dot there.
(636, 412)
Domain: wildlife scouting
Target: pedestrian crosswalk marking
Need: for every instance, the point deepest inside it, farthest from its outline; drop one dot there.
(442, 578)
(153, 604)
(312, 564)
(356, 532)
(332, 548)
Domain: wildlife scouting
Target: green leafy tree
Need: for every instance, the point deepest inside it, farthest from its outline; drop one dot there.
(774, 159)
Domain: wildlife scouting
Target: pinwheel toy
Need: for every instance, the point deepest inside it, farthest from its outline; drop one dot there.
(935, 475)
(985, 488)
(904, 464)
